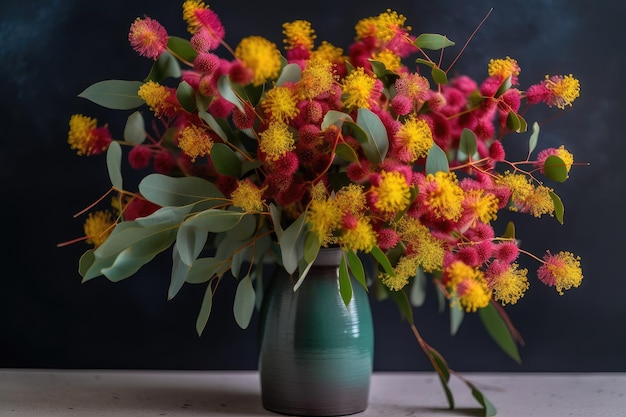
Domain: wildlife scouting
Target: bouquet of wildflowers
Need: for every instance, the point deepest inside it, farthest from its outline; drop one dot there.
(267, 155)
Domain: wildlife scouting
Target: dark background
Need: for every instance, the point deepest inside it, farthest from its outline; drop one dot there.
(52, 50)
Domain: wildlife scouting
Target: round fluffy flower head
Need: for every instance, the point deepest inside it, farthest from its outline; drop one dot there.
(98, 227)
(473, 294)
(298, 34)
(403, 271)
(317, 78)
(276, 141)
(351, 199)
(444, 196)
(519, 185)
(361, 237)
(562, 271)
(563, 90)
(194, 141)
(261, 56)
(323, 215)
(507, 282)
(428, 250)
(85, 137)
(200, 18)
(481, 206)
(392, 192)
(538, 203)
(391, 60)
(155, 95)
(414, 86)
(503, 69)
(148, 37)
(358, 88)
(328, 52)
(247, 196)
(281, 104)
(416, 138)
(383, 27)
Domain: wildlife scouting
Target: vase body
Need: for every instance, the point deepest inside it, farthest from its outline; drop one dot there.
(315, 354)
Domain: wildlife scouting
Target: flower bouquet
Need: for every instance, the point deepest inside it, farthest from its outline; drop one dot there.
(263, 156)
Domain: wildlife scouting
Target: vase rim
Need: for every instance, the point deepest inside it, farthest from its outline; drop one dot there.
(328, 257)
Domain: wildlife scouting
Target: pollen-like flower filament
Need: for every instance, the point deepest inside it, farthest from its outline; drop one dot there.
(444, 195)
(358, 87)
(509, 284)
(384, 27)
(155, 95)
(562, 271)
(276, 140)
(564, 90)
(261, 56)
(194, 141)
(393, 194)
(98, 227)
(317, 78)
(417, 138)
(503, 68)
(281, 104)
(299, 34)
(247, 196)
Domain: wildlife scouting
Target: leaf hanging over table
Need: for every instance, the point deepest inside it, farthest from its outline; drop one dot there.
(114, 94)
(244, 302)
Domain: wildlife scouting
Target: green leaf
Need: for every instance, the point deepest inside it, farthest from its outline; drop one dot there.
(468, 142)
(534, 138)
(114, 94)
(456, 316)
(214, 220)
(165, 216)
(114, 164)
(377, 144)
(559, 209)
(345, 285)
(214, 125)
(345, 152)
(303, 271)
(311, 247)
(134, 131)
(439, 76)
(509, 232)
(513, 122)
(182, 48)
(436, 160)
(506, 84)
(356, 267)
(186, 96)
(292, 243)
(499, 332)
(403, 303)
(555, 169)
(275, 214)
(205, 310)
(165, 66)
(203, 269)
(426, 62)
(227, 92)
(432, 41)
(225, 160)
(334, 117)
(86, 261)
(164, 190)
(382, 260)
(488, 407)
(441, 367)
(244, 302)
(290, 73)
(190, 241)
(418, 289)
(179, 273)
(241, 255)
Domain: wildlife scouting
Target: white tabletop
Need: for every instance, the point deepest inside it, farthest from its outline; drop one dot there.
(95, 393)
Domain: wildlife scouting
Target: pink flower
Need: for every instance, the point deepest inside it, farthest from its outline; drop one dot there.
(148, 37)
(139, 157)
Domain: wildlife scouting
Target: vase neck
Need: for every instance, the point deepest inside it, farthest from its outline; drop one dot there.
(328, 257)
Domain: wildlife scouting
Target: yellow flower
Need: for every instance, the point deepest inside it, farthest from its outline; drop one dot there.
(404, 270)
(383, 27)
(444, 196)
(482, 206)
(393, 193)
(276, 140)
(360, 238)
(324, 217)
(299, 34)
(538, 202)
(391, 60)
(351, 199)
(83, 135)
(317, 78)
(98, 227)
(566, 156)
(564, 90)
(429, 251)
(194, 141)
(155, 95)
(247, 196)
(261, 56)
(328, 52)
(518, 184)
(509, 285)
(503, 68)
(473, 294)
(416, 136)
(357, 88)
(281, 104)
(561, 270)
(190, 7)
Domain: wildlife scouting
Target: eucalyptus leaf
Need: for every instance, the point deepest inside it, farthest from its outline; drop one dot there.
(499, 332)
(226, 90)
(182, 48)
(126, 264)
(303, 270)
(345, 152)
(439, 76)
(214, 220)
(134, 130)
(165, 216)
(203, 269)
(244, 302)
(468, 142)
(509, 232)
(311, 247)
(489, 409)
(334, 117)
(456, 316)
(86, 261)
(377, 144)
(290, 73)
(275, 214)
(534, 138)
(142, 238)
(225, 160)
(345, 285)
(179, 273)
(166, 66)
(383, 261)
(559, 209)
(241, 256)
(292, 243)
(441, 367)
(186, 96)
(164, 190)
(436, 160)
(213, 124)
(418, 289)
(403, 303)
(555, 169)
(190, 241)
(432, 41)
(205, 310)
(114, 94)
(356, 267)
(114, 165)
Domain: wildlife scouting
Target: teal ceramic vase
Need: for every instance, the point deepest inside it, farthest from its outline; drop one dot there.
(316, 354)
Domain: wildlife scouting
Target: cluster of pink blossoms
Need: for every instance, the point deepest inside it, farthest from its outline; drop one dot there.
(373, 154)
